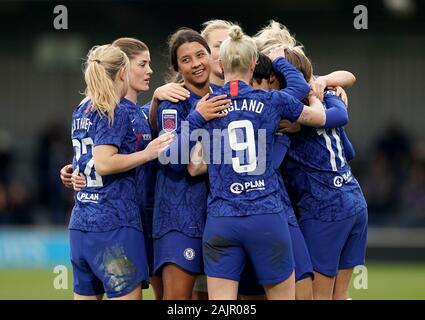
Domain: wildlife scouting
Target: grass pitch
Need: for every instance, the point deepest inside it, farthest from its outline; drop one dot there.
(384, 281)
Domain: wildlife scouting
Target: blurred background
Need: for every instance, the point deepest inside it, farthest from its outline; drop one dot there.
(42, 79)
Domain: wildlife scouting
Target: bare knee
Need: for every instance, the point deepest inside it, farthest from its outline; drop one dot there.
(177, 283)
(323, 287)
(304, 289)
(342, 284)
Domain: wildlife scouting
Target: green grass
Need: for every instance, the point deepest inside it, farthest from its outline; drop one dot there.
(385, 281)
(388, 281)
(27, 284)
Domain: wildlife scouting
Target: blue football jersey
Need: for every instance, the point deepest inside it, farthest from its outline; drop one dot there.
(242, 178)
(139, 120)
(349, 151)
(150, 168)
(214, 87)
(288, 208)
(106, 202)
(180, 200)
(146, 173)
(318, 176)
(297, 87)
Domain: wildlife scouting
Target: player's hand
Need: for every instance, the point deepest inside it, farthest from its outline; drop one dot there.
(210, 108)
(158, 145)
(173, 92)
(65, 175)
(340, 92)
(312, 98)
(78, 181)
(318, 86)
(277, 52)
(197, 155)
(286, 126)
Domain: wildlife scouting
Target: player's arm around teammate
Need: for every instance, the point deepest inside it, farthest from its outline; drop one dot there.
(344, 219)
(139, 75)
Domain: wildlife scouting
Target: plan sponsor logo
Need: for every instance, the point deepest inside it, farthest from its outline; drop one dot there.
(344, 178)
(255, 185)
(88, 197)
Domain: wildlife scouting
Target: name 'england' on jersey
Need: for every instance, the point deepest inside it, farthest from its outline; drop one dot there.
(242, 178)
(318, 176)
(106, 202)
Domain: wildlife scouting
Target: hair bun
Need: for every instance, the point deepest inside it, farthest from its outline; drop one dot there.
(235, 33)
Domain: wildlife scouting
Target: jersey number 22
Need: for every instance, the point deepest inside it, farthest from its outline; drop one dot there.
(81, 148)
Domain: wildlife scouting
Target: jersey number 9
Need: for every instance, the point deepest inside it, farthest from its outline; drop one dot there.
(248, 145)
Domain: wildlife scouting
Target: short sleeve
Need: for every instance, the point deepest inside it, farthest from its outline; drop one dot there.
(112, 133)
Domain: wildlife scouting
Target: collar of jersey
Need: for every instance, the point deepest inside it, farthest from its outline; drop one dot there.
(127, 102)
(214, 87)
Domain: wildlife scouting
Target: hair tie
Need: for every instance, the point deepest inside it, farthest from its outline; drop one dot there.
(95, 60)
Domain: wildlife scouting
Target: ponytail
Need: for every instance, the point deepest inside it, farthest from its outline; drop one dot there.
(102, 67)
(238, 51)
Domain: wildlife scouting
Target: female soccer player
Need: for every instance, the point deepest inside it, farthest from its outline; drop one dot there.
(106, 238)
(215, 32)
(180, 200)
(340, 222)
(263, 76)
(277, 34)
(139, 76)
(332, 205)
(139, 73)
(244, 206)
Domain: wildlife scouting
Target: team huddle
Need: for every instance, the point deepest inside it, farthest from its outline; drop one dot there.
(233, 182)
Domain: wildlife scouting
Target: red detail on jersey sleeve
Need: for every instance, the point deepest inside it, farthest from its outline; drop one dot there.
(234, 88)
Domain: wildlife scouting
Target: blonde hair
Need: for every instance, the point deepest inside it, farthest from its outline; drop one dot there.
(275, 34)
(238, 51)
(101, 69)
(130, 46)
(299, 60)
(216, 24)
